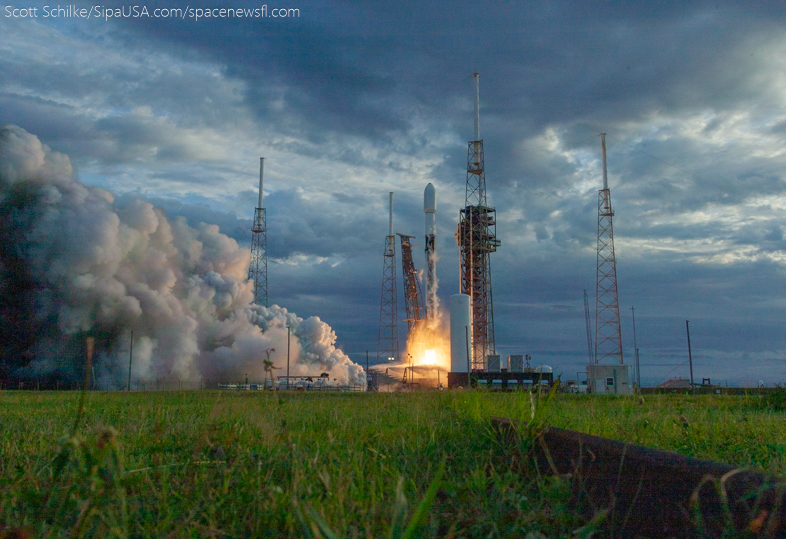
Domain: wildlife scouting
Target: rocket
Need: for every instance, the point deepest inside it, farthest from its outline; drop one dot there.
(430, 209)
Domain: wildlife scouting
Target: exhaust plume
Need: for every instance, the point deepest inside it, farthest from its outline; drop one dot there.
(74, 263)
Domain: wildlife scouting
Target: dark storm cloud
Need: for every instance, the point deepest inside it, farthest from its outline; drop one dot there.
(731, 307)
(111, 105)
(297, 226)
(369, 71)
(305, 74)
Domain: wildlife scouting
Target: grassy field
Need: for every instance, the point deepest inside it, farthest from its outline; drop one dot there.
(210, 464)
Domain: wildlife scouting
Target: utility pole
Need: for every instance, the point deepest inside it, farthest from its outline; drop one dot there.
(690, 356)
(469, 360)
(589, 331)
(368, 376)
(636, 351)
(130, 359)
(289, 330)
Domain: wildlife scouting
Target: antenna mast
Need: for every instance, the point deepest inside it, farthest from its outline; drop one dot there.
(257, 271)
(608, 337)
(387, 346)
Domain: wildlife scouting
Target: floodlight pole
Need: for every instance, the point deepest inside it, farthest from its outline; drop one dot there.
(636, 352)
(289, 330)
(130, 359)
(411, 375)
(469, 366)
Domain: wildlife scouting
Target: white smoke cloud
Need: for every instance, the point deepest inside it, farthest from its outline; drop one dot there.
(74, 264)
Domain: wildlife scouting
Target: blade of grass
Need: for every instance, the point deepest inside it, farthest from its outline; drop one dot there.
(425, 505)
(323, 526)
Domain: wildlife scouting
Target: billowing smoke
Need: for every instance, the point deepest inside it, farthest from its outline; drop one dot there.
(75, 263)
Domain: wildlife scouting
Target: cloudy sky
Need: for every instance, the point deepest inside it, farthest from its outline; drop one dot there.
(348, 101)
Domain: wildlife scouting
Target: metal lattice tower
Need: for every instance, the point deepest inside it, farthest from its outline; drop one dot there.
(412, 293)
(476, 235)
(589, 325)
(387, 346)
(258, 268)
(608, 337)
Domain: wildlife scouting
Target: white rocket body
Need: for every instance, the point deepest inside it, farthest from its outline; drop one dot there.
(430, 208)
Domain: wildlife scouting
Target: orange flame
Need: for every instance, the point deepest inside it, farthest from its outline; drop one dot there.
(429, 345)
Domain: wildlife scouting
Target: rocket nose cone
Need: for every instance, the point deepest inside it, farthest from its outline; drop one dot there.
(430, 199)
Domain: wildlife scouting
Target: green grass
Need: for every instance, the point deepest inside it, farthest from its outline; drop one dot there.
(202, 464)
(745, 431)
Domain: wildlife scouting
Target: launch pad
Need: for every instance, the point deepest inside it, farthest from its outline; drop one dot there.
(500, 381)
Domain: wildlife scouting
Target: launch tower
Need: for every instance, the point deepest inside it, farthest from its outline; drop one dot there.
(476, 237)
(258, 268)
(608, 338)
(387, 346)
(412, 294)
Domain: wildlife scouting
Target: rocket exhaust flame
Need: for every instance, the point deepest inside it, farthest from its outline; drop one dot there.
(429, 347)
(75, 262)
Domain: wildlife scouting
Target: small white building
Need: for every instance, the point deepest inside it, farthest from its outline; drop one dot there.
(609, 379)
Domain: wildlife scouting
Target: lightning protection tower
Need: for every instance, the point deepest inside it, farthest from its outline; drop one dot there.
(608, 337)
(258, 268)
(412, 293)
(476, 237)
(387, 346)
